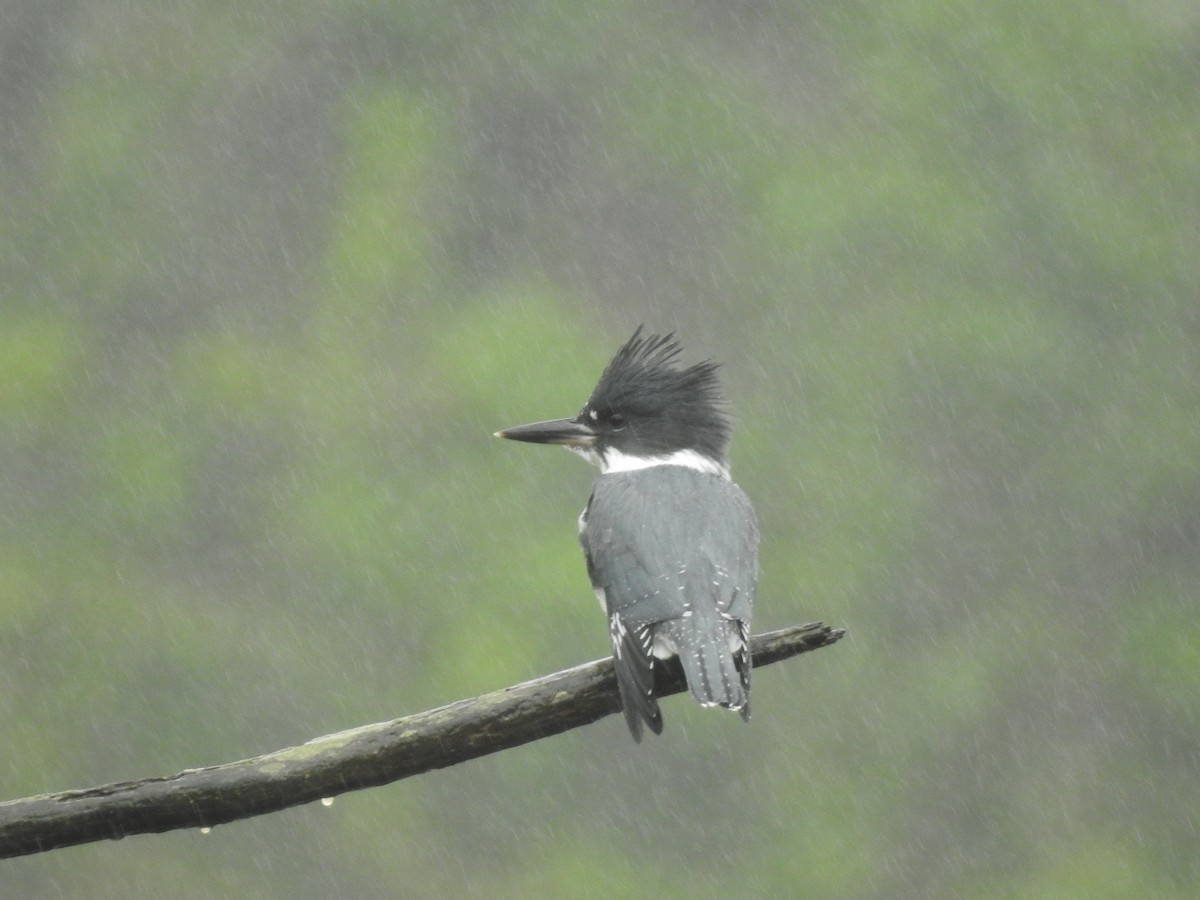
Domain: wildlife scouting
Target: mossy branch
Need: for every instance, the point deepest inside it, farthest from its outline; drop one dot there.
(349, 760)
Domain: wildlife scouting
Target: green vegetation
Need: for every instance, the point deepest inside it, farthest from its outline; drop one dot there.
(271, 275)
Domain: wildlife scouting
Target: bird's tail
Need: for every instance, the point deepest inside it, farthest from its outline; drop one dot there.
(715, 660)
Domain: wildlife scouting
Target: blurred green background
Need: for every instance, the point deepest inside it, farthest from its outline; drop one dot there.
(271, 274)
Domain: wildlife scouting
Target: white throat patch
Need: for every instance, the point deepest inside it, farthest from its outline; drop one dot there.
(616, 461)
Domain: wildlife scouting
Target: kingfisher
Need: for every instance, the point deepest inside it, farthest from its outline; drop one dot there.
(671, 543)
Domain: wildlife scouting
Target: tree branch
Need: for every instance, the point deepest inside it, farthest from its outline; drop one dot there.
(350, 760)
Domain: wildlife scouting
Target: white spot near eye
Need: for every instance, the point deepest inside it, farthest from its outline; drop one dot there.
(593, 415)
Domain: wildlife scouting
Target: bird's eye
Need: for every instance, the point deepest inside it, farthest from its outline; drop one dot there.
(616, 421)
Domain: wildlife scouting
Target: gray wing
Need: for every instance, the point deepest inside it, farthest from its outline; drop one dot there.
(673, 554)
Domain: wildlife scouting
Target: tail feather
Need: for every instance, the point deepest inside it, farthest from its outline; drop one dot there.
(717, 675)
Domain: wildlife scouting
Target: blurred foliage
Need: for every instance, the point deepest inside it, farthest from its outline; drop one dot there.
(271, 275)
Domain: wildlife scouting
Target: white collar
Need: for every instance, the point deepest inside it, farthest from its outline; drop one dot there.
(614, 461)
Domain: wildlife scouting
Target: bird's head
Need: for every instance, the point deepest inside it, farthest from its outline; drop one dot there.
(644, 410)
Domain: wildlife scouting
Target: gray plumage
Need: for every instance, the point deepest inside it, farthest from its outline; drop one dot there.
(671, 543)
(676, 567)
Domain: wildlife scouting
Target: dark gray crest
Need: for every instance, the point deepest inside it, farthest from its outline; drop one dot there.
(665, 408)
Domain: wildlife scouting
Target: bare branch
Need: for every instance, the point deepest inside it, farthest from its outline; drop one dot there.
(349, 760)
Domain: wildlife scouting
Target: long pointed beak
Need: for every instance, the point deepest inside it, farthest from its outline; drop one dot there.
(569, 432)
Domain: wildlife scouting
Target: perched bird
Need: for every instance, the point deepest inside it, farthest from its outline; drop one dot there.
(671, 542)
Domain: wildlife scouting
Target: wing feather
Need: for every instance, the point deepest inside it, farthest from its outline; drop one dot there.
(673, 552)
